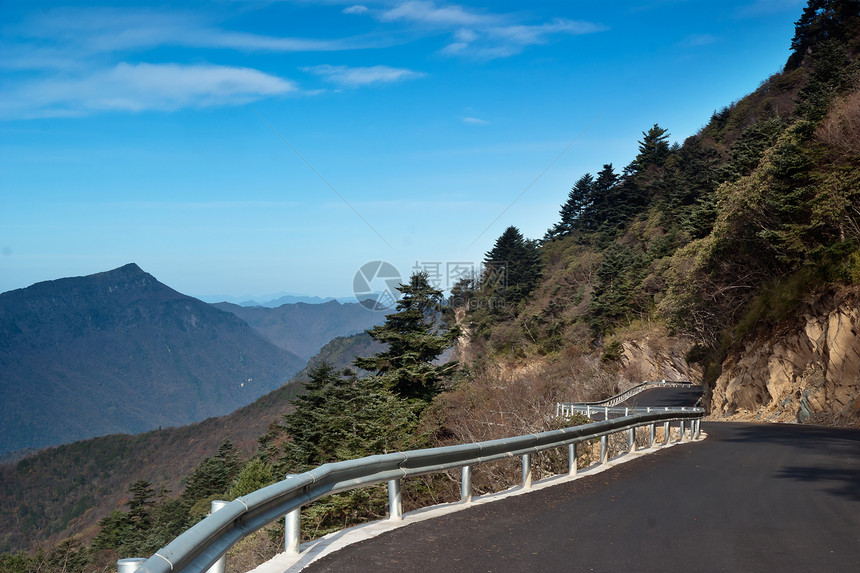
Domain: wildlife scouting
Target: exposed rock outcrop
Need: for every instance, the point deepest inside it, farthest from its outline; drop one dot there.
(809, 368)
(654, 355)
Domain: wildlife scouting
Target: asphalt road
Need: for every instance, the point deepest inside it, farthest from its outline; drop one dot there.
(672, 397)
(749, 498)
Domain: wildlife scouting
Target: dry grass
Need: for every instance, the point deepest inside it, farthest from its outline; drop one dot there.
(840, 130)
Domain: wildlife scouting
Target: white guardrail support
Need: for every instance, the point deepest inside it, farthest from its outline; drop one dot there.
(220, 566)
(466, 485)
(293, 531)
(395, 500)
(527, 471)
(571, 459)
(206, 543)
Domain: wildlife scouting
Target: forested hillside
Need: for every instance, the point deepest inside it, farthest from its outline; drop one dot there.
(724, 236)
(67, 490)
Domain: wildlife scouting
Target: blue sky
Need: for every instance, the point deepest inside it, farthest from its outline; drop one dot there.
(253, 147)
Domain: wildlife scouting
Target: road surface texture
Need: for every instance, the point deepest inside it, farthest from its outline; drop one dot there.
(749, 498)
(672, 397)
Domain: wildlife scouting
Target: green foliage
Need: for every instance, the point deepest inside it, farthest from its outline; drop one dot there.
(255, 475)
(821, 21)
(213, 476)
(342, 417)
(653, 149)
(832, 73)
(616, 277)
(415, 338)
(512, 268)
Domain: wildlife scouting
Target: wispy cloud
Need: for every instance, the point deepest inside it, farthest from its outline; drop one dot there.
(357, 9)
(479, 34)
(428, 13)
(362, 76)
(88, 31)
(697, 40)
(140, 87)
(475, 121)
(80, 61)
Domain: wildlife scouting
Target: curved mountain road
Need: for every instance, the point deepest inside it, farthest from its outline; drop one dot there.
(751, 497)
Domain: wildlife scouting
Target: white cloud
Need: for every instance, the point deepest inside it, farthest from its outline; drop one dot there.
(428, 13)
(75, 33)
(358, 9)
(140, 87)
(475, 121)
(482, 35)
(362, 76)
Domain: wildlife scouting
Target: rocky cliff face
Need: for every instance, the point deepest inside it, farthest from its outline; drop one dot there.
(808, 370)
(654, 355)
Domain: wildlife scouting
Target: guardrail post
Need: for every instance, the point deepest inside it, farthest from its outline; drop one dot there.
(129, 565)
(606, 413)
(293, 531)
(632, 432)
(466, 485)
(571, 459)
(652, 432)
(527, 471)
(665, 433)
(604, 447)
(681, 432)
(395, 504)
(219, 566)
(588, 411)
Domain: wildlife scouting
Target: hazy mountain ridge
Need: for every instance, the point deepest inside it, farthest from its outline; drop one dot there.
(304, 328)
(119, 352)
(94, 475)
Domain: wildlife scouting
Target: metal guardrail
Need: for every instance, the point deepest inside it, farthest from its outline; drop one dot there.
(618, 398)
(611, 412)
(204, 544)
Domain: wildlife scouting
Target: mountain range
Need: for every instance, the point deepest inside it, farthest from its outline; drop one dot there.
(304, 328)
(120, 352)
(94, 475)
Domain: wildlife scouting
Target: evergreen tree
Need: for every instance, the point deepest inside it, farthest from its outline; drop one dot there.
(653, 149)
(341, 417)
(213, 476)
(578, 200)
(607, 203)
(141, 503)
(512, 268)
(416, 338)
(616, 277)
(822, 20)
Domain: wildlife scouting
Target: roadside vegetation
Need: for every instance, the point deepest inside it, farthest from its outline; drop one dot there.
(714, 239)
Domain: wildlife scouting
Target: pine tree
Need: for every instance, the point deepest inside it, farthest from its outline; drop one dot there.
(512, 268)
(822, 20)
(415, 338)
(340, 417)
(653, 149)
(578, 200)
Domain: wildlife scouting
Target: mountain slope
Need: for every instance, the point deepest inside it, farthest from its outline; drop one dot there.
(119, 352)
(304, 328)
(94, 475)
(728, 240)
